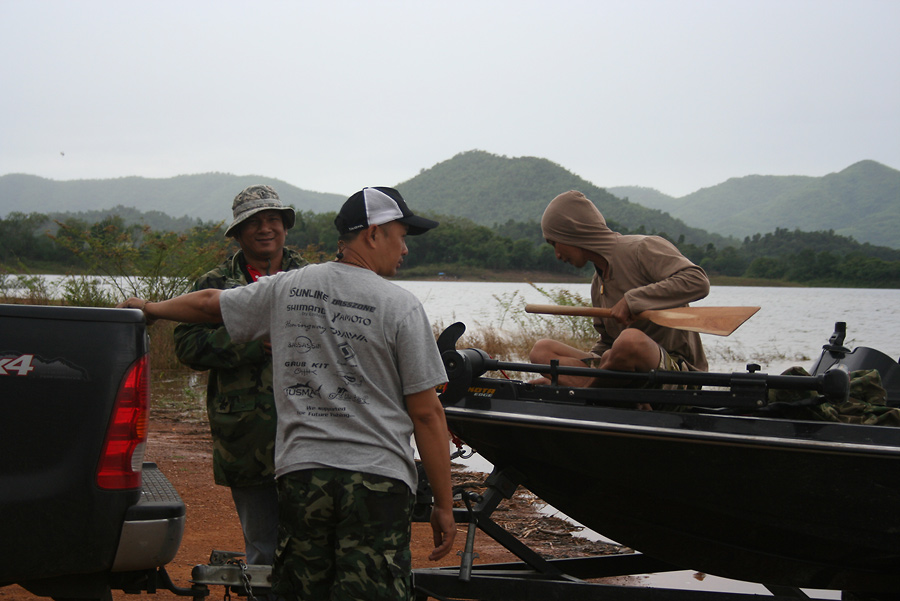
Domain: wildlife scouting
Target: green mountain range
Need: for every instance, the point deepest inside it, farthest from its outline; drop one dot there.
(862, 201)
(492, 190)
(205, 196)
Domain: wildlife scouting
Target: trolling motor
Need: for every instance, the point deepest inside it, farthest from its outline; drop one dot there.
(835, 354)
(742, 390)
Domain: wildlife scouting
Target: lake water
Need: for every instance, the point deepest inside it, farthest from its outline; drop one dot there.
(789, 329)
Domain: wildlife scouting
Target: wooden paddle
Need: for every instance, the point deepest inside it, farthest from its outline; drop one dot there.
(720, 321)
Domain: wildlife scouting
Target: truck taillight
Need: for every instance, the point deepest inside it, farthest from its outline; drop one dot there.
(126, 435)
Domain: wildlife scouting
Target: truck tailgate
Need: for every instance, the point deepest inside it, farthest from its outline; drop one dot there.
(60, 371)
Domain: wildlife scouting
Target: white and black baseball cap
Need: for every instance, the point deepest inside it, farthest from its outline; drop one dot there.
(378, 205)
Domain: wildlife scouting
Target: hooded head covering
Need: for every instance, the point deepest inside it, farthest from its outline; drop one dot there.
(572, 219)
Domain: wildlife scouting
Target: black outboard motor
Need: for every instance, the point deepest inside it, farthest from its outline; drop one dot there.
(835, 353)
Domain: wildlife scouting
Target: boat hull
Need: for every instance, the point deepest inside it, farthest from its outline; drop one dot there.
(780, 502)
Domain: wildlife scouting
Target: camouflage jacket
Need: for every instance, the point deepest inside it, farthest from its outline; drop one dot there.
(239, 400)
(867, 402)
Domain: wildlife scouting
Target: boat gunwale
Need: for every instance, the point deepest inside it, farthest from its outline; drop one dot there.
(630, 428)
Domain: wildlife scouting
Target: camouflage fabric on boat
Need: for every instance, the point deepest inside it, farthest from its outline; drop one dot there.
(866, 404)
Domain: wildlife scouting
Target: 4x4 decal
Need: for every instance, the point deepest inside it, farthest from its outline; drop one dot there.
(19, 366)
(26, 364)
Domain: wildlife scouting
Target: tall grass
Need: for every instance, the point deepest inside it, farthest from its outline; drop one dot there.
(512, 337)
(21, 288)
(86, 292)
(76, 291)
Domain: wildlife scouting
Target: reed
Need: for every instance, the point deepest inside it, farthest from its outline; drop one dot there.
(25, 289)
(162, 347)
(516, 331)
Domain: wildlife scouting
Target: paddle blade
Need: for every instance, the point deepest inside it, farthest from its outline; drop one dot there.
(721, 321)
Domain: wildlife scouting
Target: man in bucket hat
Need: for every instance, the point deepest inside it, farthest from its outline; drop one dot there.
(356, 370)
(239, 400)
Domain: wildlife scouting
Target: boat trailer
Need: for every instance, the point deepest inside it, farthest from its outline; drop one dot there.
(532, 577)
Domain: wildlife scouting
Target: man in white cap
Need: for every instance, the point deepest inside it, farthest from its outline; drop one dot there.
(239, 400)
(356, 370)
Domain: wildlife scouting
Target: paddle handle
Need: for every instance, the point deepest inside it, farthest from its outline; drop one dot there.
(567, 310)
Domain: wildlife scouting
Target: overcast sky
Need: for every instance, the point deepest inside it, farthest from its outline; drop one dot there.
(335, 95)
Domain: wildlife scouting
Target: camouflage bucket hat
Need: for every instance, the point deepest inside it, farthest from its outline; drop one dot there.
(254, 199)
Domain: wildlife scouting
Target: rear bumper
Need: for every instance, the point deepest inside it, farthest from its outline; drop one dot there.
(153, 528)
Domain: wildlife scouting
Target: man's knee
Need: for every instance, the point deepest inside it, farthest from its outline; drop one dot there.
(630, 338)
(543, 351)
(633, 351)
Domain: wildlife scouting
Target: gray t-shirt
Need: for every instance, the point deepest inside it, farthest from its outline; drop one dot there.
(347, 346)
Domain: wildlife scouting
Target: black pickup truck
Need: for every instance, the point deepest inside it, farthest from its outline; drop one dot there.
(81, 512)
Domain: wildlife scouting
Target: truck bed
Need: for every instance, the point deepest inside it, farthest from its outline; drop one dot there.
(66, 515)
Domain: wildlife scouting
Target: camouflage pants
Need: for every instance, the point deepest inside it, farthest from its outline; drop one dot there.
(342, 535)
(667, 362)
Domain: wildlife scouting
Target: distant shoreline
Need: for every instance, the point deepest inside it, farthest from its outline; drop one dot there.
(475, 274)
(490, 275)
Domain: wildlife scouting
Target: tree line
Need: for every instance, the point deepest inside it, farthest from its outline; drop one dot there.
(34, 242)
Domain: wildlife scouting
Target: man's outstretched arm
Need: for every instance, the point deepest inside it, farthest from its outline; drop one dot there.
(195, 307)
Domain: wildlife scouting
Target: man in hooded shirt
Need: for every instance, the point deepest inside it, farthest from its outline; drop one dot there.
(633, 274)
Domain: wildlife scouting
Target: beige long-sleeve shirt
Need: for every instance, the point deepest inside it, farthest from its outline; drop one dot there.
(648, 271)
